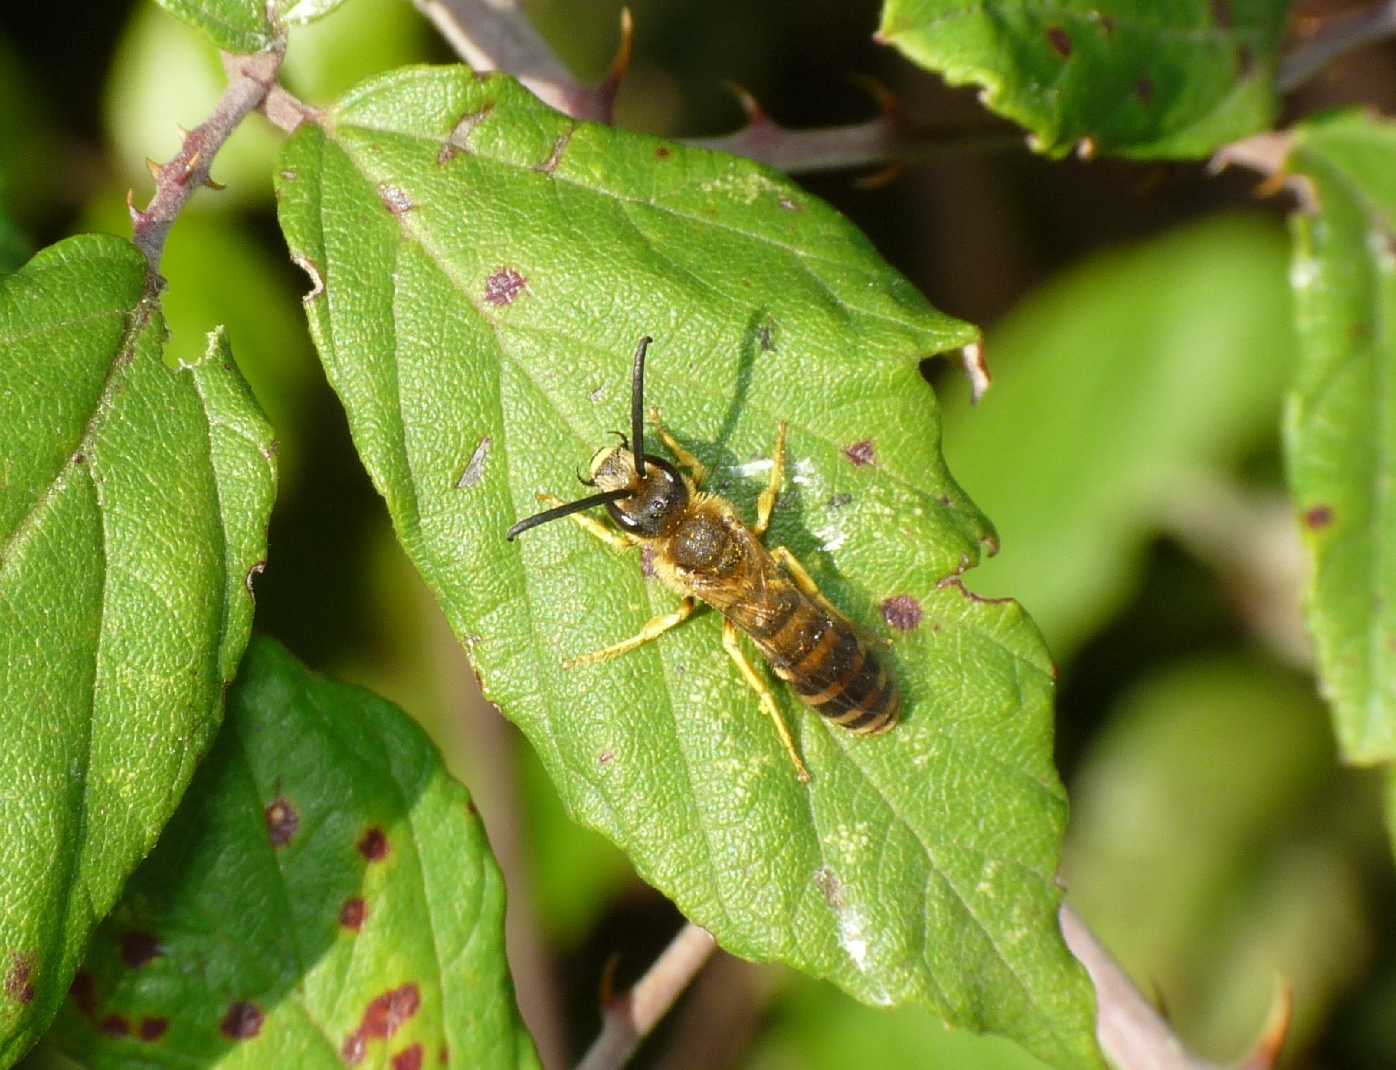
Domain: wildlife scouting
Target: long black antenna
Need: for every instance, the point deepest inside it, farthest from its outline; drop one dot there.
(568, 509)
(637, 407)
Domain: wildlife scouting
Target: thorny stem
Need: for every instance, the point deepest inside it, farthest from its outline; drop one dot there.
(1339, 35)
(627, 1019)
(496, 35)
(1132, 1034)
(250, 78)
(880, 141)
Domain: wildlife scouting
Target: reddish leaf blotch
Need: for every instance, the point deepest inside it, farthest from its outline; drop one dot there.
(282, 822)
(374, 845)
(902, 612)
(242, 1021)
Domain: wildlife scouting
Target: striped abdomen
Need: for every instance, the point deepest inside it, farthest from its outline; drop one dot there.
(822, 658)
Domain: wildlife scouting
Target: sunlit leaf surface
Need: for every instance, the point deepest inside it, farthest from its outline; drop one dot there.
(482, 268)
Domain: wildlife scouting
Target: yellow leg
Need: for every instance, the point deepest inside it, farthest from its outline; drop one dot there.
(653, 629)
(767, 502)
(617, 540)
(763, 692)
(697, 471)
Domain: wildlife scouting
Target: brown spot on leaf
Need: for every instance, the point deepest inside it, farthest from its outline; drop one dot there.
(550, 165)
(115, 1025)
(861, 453)
(374, 845)
(382, 1018)
(19, 984)
(354, 1047)
(459, 140)
(663, 152)
(394, 199)
(829, 886)
(388, 1012)
(408, 1058)
(1107, 23)
(475, 467)
(503, 287)
(282, 822)
(1221, 13)
(351, 914)
(152, 1029)
(1060, 41)
(83, 992)
(139, 948)
(1318, 518)
(252, 574)
(902, 612)
(1245, 61)
(605, 758)
(1144, 90)
(242, 1022)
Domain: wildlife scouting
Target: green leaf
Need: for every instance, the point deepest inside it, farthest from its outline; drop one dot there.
(483, 268)
(1118, 389)
(133, 510)
(324, 896)
(246, 25)
(1340, 422)
(1126, 77)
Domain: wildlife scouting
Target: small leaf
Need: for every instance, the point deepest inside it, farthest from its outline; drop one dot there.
(482, 268)
(1126, 77)
(1340, 424)
(133, 509)
(324, 897)
(1118, 388)
(246, 25)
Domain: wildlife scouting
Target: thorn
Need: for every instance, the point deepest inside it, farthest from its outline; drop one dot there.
(1266, 1052)
(881, 179)
(606, 92)
(977, 369)
(217, 187)
(1272, 186)
(755, 114)
(154, 168)
(886, 100)
(192, 164)
(607, 992)
(620, 65)
(135, 213)
(183, 133)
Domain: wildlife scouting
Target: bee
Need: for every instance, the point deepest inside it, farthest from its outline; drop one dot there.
(701, 549)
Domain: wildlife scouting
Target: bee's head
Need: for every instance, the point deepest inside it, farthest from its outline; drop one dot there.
(643, 494)
(657, 499)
